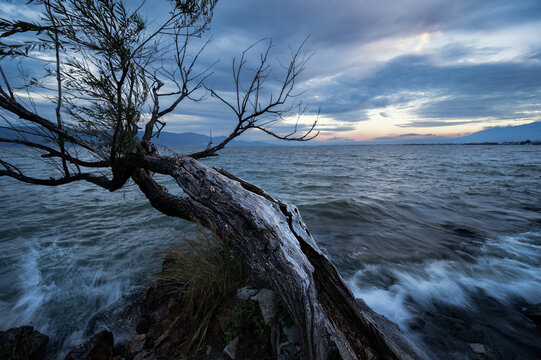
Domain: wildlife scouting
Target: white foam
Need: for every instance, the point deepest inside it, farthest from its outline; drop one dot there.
(507, 269)
(34, 292)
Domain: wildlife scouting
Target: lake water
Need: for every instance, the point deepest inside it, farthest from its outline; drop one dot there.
(443, 240)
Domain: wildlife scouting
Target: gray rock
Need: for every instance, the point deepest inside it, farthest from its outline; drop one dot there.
(98, 347)
(145, 355)
(231, 349)
(128, 347)
(287, 351)
(245, 293)
(121, 317)
(22, 343)
(267, 304)
(290, 334)
(137, 343)
(481, 351)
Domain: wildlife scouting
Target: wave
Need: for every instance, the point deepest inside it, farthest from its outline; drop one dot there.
(489, 290)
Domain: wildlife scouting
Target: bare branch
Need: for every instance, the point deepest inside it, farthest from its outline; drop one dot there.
(251, 111)
(17, 109)
(92, 178)
(54, 153)
(7, 84)
(185, 84)
(59, 86)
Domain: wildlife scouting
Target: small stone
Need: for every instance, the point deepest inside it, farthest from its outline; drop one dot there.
(231, 349)
(167, 332)
(265, 298)
(137, 343)
(98, 347)
(245, 293)
(22, 343)
(291, 334)
(144, 355)
(286, 351)
(482, 351)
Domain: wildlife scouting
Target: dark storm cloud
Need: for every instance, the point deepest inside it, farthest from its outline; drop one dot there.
(501, 90)
(457, 52)
(490, 14)
(346, 22)
(504, 90)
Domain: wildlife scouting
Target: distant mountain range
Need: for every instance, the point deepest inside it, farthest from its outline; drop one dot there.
(170, 139)
(500, 134)
(167, 139)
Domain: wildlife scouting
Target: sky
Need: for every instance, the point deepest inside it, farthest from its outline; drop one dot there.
(381, 70)
(400, 68)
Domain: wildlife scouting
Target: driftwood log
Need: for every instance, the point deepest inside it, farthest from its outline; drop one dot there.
(278, 252)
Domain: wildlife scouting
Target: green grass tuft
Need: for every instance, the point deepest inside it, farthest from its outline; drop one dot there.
(204, 272)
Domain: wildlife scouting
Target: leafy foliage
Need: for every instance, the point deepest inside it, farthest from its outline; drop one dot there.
(110, 73)
(105, 56)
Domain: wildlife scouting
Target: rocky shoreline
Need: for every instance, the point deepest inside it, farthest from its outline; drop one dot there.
(148, 325)
(153, 324)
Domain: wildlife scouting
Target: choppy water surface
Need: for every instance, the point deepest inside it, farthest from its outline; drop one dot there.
(443, 240)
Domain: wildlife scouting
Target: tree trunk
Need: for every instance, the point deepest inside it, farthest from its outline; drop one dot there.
(277, 251)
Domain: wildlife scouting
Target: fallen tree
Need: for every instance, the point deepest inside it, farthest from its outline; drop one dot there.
(278, 252)
(108, 64)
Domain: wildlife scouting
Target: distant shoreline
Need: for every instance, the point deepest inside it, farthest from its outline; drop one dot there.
(316, 144)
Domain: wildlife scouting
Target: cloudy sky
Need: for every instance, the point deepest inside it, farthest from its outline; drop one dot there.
(396, 68)
(404, 69)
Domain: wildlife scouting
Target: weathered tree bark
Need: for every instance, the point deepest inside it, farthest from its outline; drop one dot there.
(278, 252)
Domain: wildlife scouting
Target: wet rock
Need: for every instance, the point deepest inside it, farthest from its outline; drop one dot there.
(145, 355)
(137, 343)
(267, 304)
(22, 343)
(121, 349)
(291, 334)
(231, 349)
(121, 317)
(98, 347)
(287, 351)
(246, 293)
(481, 352)
(129, 347)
